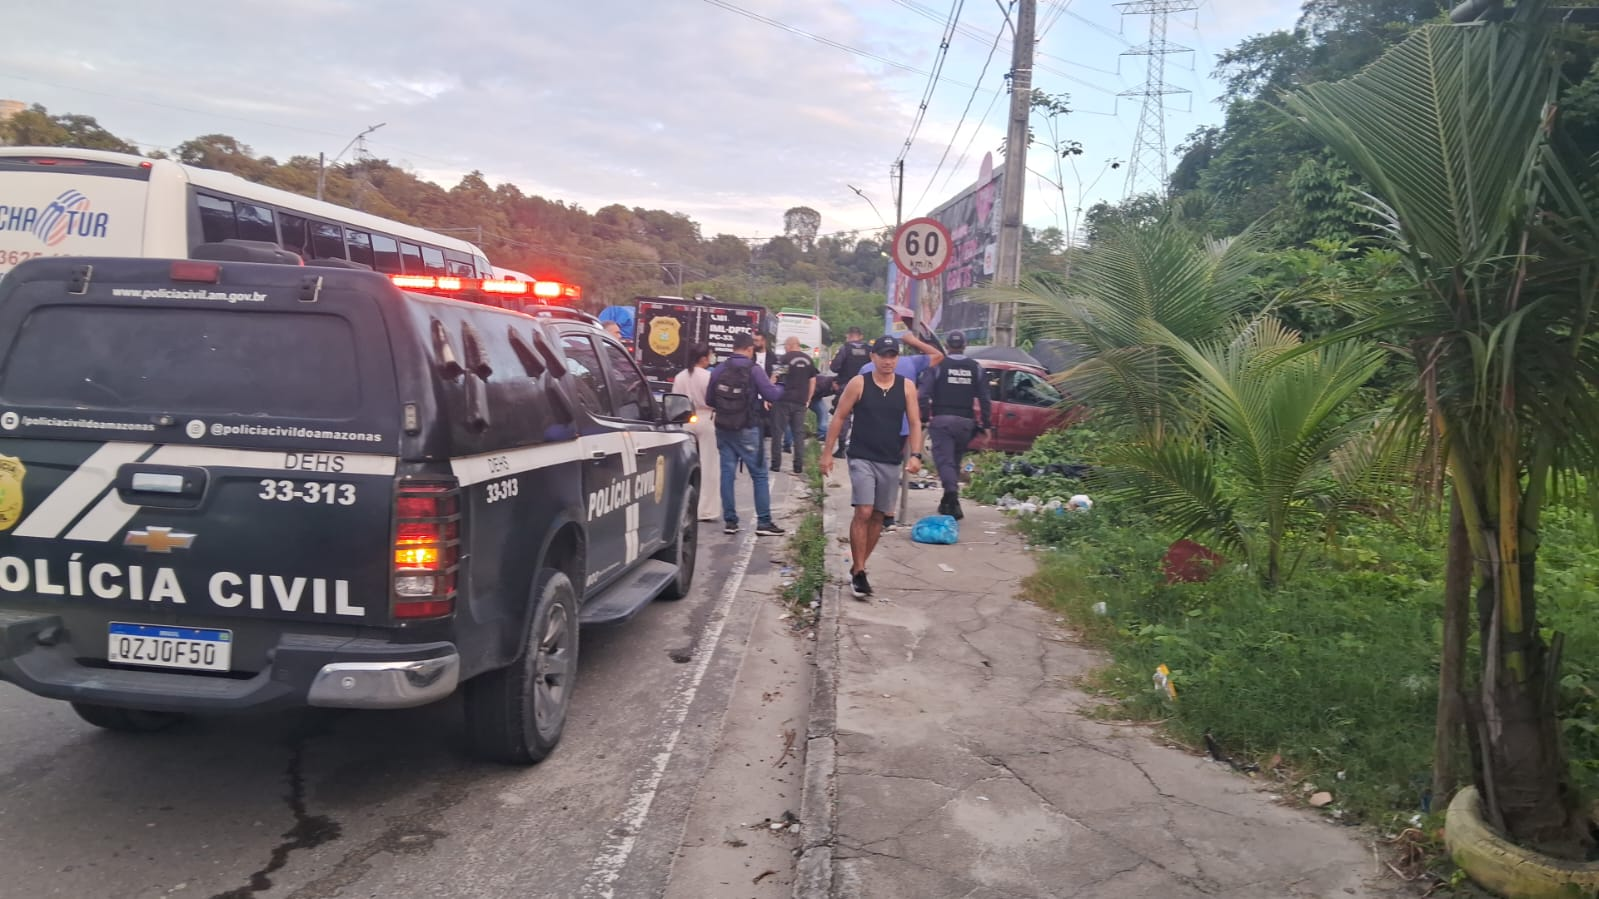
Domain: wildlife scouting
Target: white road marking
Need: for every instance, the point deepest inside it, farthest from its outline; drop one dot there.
(612, 858)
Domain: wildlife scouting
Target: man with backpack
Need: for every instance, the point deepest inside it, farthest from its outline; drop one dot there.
(847, 363)
(738, 391)
(948, 390)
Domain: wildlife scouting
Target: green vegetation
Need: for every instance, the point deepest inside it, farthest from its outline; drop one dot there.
(616, 252)
(808, 547)
(1403, 323)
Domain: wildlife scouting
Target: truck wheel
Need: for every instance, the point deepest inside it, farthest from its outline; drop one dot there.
(515, 715)
(684, 548)
(131, 721)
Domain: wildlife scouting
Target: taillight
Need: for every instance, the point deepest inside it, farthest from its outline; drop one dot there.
(427, 544)
(202, 272)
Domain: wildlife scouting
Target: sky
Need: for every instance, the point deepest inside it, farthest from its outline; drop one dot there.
(683, 105)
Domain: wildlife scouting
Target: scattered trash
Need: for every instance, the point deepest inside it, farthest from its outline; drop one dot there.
(983, 798)
(1215, 752)
(1163, 681)
(945, 568)
(762, 876)
(1100, 608)
(1188, 562)
(1341, 775)
(1080, 503)
(936, 529)
(785, 616)
(1321, 800)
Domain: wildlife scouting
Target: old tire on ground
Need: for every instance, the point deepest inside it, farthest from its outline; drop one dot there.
(515, 715)
(683, 551)
(128, 721)
(1508, 869)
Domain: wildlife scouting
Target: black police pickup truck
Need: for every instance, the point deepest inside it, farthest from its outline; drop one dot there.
(230, 485)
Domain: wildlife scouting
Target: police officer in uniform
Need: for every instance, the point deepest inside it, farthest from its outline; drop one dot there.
(950, 389)
(847, 363)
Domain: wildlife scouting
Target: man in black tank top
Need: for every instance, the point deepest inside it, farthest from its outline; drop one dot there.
(878, 399)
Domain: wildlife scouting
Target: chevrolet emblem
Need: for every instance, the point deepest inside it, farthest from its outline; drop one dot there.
(158, 540)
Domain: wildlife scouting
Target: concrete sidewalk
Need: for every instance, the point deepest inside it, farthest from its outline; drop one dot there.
(962, 764)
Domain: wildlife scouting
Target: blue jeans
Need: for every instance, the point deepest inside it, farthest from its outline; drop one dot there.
(744, 446)
(823, 419)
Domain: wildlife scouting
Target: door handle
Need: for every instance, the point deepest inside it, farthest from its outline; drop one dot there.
(598, 456)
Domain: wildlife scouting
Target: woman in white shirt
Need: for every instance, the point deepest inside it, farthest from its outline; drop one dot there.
(693, 382)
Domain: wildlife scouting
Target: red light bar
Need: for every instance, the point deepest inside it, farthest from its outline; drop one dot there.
(544, 290)
(508, 287)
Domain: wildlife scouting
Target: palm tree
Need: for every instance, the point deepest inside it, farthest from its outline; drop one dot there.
(1454, 129)
(1140, 287)
(1228, 429)
(1275, 421)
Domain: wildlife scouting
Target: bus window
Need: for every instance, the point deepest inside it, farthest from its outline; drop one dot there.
(411, 254)
(361, 248)
(459, 264)
(296, 237)
(216, 219)
(386, 253)
(255, 222)
(433, 261)
(327, 240)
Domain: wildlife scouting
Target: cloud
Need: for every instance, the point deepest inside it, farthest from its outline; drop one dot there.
(678, 105)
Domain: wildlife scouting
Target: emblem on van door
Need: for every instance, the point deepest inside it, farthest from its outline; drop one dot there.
(665, 334)
(12, 471)
(158, 540)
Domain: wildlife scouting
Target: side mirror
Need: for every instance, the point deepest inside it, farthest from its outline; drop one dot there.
(677, 409)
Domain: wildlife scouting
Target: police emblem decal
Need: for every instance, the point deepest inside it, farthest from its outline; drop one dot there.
(665, 335)
(12, 472)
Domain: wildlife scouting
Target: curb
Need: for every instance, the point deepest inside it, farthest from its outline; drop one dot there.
(813, 875)
(1507, 869)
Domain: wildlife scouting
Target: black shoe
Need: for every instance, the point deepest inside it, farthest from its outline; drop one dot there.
(859, 586)
(798, 470)
(944, 504)
(955, 509)
(769, 530)
(730, 528)
(838, 454)
(888, 524)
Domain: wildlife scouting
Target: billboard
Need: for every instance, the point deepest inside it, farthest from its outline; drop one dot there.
(972, 218)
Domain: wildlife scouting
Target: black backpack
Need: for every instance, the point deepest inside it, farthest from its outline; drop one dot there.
(732, 397)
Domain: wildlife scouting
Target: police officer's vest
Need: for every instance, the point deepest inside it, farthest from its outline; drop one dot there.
(856, 355)
(955, 386)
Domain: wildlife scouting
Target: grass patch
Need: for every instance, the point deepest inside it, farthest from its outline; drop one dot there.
(807, 549)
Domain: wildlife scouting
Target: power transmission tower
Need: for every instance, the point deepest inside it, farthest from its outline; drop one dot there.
(1146, 167)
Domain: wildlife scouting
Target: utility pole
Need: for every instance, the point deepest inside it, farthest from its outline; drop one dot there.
(899, 195)
(1008, 267)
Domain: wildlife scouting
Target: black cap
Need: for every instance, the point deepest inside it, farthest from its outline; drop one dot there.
(743, 340)
(886, 345)
(956, 340)
(855, 331)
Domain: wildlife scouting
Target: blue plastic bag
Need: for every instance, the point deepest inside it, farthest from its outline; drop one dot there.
(938, 529)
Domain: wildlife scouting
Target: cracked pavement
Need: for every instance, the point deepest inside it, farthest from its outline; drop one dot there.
(967, 769)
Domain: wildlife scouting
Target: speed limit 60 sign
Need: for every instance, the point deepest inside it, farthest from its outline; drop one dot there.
(921, 248)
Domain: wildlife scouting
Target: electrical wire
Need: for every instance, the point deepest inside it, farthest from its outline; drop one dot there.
(723, 4)
(992, 49)
(932, 79)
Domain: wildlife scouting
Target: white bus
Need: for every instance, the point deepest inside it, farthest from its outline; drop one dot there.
(65, 202)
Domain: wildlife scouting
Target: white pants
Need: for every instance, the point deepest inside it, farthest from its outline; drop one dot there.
(704, 432)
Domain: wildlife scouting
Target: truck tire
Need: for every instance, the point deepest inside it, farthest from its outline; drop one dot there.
(683, 551)
(128, 721)
(515, 715)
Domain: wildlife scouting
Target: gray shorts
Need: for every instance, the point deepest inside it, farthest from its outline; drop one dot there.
(874, 484)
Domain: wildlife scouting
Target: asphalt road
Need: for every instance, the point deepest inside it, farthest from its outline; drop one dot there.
(322, 803)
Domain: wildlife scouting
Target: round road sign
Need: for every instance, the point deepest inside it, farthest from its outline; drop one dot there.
(921, 248)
